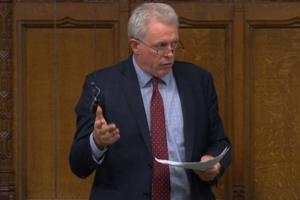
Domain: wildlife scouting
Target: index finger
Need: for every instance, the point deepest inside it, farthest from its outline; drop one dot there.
(99, 114)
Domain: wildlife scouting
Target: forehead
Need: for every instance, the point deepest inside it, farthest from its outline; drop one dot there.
(159, 31)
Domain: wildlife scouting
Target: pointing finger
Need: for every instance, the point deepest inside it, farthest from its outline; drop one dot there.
(99, 115)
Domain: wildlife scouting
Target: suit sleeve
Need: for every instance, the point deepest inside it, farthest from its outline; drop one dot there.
(80, 158)
(217, 138)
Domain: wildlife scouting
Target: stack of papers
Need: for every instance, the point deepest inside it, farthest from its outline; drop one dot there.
(204, 165)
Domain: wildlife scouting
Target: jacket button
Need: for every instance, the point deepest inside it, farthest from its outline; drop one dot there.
(146, 194)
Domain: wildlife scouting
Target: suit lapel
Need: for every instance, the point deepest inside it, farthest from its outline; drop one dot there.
(188, 110)
(130, 88)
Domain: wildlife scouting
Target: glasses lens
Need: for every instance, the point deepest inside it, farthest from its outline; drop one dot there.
(174, 45)
(163, 48)
(163, 52)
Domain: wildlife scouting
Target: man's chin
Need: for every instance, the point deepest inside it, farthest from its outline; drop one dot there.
(164, 70)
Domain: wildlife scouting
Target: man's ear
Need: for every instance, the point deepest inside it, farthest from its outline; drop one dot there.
(134, 46)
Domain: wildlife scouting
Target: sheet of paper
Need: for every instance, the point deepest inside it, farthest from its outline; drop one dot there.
(195, 165)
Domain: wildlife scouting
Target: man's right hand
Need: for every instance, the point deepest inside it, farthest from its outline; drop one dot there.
(104, 134)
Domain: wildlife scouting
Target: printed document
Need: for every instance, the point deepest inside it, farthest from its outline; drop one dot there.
(195, 165)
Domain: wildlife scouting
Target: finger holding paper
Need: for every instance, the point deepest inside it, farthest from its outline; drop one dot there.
(207, 163)
(210, 173)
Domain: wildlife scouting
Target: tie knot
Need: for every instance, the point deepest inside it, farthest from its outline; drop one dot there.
(155, 82)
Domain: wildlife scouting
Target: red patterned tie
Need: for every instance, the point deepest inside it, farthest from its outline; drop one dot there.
(161, 174)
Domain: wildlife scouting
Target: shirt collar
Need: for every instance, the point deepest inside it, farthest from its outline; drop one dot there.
(144, 77)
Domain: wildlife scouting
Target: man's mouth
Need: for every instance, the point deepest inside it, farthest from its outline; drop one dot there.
(166, 64)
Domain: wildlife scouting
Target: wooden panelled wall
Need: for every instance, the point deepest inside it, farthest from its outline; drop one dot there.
(252, 47)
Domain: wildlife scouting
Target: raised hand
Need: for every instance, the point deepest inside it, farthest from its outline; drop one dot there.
(104, 134)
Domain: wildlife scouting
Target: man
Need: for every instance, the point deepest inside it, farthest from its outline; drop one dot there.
(120, 140)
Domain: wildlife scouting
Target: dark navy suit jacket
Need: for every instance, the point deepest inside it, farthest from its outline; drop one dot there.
(126, 171)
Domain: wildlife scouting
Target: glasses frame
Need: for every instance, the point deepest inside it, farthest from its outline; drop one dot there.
(162, 52)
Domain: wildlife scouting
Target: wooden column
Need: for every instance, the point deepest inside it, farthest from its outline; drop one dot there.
(7, 187)
(238, 182)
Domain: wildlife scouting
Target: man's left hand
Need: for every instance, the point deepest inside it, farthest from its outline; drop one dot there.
(211, 173)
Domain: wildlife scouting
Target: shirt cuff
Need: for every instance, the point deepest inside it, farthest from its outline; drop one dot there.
(97, 154)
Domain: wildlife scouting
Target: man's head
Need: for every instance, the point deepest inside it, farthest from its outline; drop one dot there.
(137, 25)
(153, 37)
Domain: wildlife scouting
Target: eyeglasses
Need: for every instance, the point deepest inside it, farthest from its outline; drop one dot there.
(163, 48)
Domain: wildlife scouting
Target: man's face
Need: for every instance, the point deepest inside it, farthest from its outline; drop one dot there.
(155, 53)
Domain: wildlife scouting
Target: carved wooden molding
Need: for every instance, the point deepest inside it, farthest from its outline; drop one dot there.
(238, 192)
(66, 1)
(273, 1)
(172, 1)
(7, 187)
(184, 22)
(69, 22)
(289, 23)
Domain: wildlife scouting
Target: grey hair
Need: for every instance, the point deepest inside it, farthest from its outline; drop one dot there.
(137, 24)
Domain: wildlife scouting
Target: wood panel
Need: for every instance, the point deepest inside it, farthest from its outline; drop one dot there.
(250, 46)
(272, 124)
(53, 77)
(198, 41)
(274, 101)
(54, 57)
(103, 51)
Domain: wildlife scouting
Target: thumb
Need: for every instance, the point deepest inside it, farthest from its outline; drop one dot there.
(206, 158)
